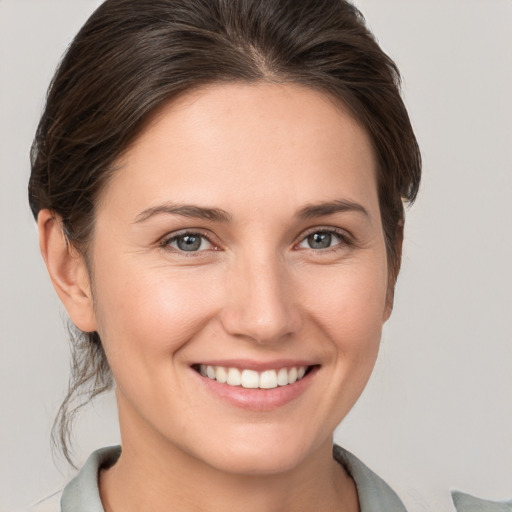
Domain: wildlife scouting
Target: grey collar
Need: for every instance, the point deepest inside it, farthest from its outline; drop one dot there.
(83, 493)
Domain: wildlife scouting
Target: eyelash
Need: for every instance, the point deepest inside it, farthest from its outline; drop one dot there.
(165, 243)
(346, 241)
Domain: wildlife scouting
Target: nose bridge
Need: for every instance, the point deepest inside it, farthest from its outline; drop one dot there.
(261, 303)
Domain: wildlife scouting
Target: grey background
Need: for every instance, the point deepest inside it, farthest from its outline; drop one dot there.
(437, 413)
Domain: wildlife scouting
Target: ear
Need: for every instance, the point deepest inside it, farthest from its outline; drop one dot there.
(388, 309)
(394, 264)
(68, 271)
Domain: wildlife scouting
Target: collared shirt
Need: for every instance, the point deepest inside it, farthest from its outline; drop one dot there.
(82, 493)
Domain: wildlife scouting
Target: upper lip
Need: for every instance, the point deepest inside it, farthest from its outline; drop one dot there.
(259, 366)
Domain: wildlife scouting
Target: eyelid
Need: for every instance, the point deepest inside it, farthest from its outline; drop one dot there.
(347, 240)
(166, 239)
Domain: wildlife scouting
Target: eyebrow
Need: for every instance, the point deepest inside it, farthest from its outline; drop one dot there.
(219, 215)
(185, 210)
(328, 208)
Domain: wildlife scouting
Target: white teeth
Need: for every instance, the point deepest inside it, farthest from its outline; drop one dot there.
(268, 379)
(234, 377)
(252, 379)
(282, 377)
(220, 374)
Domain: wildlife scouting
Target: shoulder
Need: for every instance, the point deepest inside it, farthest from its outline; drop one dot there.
(466, 503)
(374, 493)
(82, 493)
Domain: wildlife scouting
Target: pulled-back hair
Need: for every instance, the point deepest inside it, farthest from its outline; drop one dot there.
(132, 56)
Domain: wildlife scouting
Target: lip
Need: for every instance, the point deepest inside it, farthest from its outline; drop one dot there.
(258, 400)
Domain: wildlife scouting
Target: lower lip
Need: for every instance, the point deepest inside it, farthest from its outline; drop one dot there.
(258, 399)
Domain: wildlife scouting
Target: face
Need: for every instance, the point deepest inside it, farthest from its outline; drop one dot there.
(239, 275)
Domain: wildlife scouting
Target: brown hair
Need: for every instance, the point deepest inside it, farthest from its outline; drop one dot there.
(131, 56)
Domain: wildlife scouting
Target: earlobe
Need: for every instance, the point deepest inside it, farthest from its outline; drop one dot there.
(388, 308)
(68, 271)
(390, 299)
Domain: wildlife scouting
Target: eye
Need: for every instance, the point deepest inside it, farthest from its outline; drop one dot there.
(188, 242)
(322, 239)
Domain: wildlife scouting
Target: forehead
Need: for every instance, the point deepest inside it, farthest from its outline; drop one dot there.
(263, 139)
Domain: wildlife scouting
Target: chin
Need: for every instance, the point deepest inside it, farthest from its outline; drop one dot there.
(265, 453)
(258, 462)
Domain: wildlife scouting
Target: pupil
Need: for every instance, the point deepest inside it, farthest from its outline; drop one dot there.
(189, 243)
(319, 240)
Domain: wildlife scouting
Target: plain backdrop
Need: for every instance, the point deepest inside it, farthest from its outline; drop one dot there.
(437, 413)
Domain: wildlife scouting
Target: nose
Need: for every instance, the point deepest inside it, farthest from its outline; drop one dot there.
(261, 304)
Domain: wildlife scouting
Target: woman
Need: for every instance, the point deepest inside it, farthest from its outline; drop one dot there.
(218, 188)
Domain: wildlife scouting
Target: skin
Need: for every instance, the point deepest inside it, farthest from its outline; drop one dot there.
(256, 291)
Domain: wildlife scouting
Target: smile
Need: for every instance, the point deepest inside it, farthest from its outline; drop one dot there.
(252, 379)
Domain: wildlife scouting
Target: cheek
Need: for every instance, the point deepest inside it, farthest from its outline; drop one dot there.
(349, 301)
(146, 315)
(346, 306)
(349, 307)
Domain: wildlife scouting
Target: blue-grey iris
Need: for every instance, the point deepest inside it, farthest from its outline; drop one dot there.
(320, 240)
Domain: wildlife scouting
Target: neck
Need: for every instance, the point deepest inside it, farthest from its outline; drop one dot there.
(153, 474)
